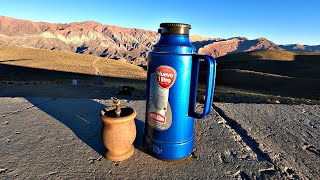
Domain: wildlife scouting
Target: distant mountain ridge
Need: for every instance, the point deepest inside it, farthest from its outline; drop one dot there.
(115, 42)
(235, 45)
(301, 48)
(87, 37)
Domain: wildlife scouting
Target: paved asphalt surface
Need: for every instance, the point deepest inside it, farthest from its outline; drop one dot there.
(60, 138)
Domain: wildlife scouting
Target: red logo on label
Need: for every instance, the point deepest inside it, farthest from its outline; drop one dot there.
(157, 117)
(166, 76)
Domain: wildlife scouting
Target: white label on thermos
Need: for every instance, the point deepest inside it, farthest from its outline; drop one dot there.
(159, 110)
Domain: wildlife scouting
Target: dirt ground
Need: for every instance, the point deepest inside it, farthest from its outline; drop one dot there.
(60, 138)
(53, 131)
(287, 134)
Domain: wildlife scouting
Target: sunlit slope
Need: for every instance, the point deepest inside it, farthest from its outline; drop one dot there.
(21, 57)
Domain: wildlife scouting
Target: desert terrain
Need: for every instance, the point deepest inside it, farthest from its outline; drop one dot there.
(258, 129)
(36, 69)
(274, 72)
(259, 76)
(264, 123)
(118, 43)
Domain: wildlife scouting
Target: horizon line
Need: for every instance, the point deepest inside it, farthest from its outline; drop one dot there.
(203, 36)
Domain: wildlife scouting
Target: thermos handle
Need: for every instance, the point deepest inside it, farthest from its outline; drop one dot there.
(211, 69)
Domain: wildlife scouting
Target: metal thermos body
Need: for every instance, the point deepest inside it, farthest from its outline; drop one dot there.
(172, 84)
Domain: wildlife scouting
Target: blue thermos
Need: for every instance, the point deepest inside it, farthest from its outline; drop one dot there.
(172, 83)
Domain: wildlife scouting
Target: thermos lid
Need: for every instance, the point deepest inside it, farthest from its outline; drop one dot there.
(174, 28)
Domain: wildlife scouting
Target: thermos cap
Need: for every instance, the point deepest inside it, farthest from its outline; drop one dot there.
(174, 28)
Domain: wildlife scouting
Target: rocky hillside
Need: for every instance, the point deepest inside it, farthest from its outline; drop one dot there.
(85, 37)
(115, 42)
(235, 45)
(300, 48)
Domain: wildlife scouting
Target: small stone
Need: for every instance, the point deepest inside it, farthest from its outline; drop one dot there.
(91, 160)
(270, 170)
(52, 173)
(246, 156)
(277, 101)
(295, 176)
(116, 164)
(220, 122)
(232, 154)
(8, 140)
(7, 122)
(193, 155)
(227, 153)
(240, 175)
(237, 138)
(99, 158)
(17, 132)
(110, 172)
(289, 170)
(222, 158)
(3, 170)
(304, 147)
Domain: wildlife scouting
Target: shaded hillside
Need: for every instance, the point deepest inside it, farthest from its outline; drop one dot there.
(300, 48)
(283, 73)
(254, 55)
(292, 64)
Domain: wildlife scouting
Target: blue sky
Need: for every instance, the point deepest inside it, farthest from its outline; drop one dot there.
(282, 21)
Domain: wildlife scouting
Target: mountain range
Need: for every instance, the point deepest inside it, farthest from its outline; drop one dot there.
(113, 42)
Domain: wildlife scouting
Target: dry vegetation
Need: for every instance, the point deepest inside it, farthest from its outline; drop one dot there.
(68, 62)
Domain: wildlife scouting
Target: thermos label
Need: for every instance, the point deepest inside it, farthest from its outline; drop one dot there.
(157, 117)
(159, 110)
(166, 76)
